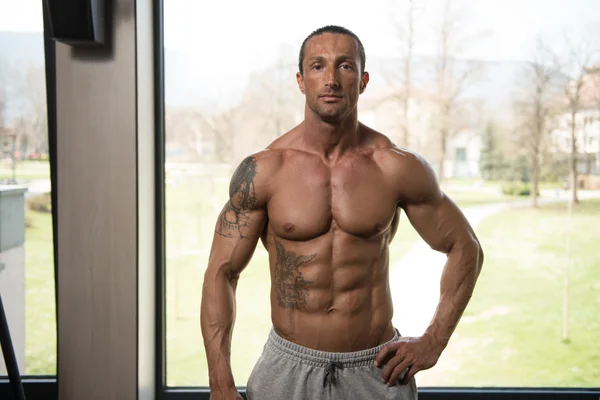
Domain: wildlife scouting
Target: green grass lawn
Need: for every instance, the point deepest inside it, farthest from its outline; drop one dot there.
(25, 170)
(40, 309)
(495, 183)
(511, 334)
(190, 225)
(473, 199)
(192, 210)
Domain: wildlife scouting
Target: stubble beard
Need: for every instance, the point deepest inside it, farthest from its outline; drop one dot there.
(330, 112)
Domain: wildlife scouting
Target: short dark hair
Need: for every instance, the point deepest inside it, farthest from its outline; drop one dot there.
(333, 29)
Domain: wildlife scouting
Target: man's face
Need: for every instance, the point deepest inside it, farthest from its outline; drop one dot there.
(332, 78)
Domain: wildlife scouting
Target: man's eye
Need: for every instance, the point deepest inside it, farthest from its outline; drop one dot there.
(346, 66)
(317, 67)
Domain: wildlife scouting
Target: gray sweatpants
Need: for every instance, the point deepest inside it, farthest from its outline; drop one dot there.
(287, 371)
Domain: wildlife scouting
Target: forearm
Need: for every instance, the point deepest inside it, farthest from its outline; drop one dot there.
(217, 319)
(457, 284)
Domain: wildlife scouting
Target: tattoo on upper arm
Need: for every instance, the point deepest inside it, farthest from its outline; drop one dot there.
(291, 287)
(233, 219)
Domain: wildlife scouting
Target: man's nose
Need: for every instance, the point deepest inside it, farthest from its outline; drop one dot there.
(332, 79)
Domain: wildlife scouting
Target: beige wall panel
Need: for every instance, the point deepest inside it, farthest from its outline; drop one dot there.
(97, 215)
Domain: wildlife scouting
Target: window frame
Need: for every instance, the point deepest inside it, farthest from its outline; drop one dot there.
(45, 387)
(35, 388)
(163, 392)
(441, 393)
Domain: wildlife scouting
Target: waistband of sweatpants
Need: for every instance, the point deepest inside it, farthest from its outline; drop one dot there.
(318, 358)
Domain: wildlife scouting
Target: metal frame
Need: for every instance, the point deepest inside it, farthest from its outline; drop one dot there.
(45, 387)
(439, 394)
(185, 393)
(38, 388)
(159, 157)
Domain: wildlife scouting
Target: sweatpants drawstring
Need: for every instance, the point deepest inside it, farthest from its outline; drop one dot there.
(329, 372)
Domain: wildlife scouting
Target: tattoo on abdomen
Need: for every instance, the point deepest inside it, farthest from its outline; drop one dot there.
(234, 217)
(291, 287)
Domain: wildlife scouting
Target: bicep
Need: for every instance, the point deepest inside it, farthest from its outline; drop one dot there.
(236, 235)
(439, 222)
(241, 220)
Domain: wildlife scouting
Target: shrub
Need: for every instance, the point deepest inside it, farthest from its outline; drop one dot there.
(516, 188)
(28, 221)
(40, 203)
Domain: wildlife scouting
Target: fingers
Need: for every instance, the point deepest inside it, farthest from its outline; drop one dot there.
(397, 371)
(387, 351)
(409, 375)
(390, 367)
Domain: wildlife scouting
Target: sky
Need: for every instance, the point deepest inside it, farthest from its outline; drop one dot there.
(241, 28)
(512, 23)
(232, 38)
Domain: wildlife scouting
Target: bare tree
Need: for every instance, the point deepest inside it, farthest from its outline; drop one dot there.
(4, 95)
(407, 82)
(452, 77)
(535, 107)
(399, 74)
(582, 50)
(573, 95)
(204, 136)
(593, 88)
(3, 98)
(183, 130)
(271, 104)
(283, 87)
(406, 31)
(35, 117)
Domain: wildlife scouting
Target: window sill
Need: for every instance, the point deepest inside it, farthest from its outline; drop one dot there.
(441, 393)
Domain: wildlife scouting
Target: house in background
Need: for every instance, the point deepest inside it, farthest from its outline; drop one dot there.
(489, 95)
(383, 111)
(463, 155)
(587, 133)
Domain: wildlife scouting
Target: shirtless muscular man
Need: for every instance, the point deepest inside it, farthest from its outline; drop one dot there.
(325, 200)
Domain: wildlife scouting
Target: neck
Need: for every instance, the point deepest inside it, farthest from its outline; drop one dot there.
(330, 139)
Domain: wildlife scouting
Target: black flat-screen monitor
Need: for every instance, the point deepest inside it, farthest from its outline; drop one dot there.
(77, 21)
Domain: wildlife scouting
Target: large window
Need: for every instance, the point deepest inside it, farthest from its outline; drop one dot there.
(26, 242)
(492, 94)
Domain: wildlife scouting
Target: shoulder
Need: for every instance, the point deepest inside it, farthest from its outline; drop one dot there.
(268, 163)
(412, 176)
(390, 157)
(400, 160)
(259, 167)
(248, 187)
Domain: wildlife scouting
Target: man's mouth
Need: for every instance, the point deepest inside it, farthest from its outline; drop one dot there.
(330, 96)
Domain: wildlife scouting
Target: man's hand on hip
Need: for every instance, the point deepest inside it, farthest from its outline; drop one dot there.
(412, 354)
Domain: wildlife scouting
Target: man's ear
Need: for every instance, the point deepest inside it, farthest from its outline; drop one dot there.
(363, 82)
(300, 80)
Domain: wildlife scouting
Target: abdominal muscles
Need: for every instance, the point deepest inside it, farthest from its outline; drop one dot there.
(331, 293)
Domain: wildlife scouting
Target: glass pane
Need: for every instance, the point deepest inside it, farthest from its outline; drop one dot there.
(26, 250)
(484, 91)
